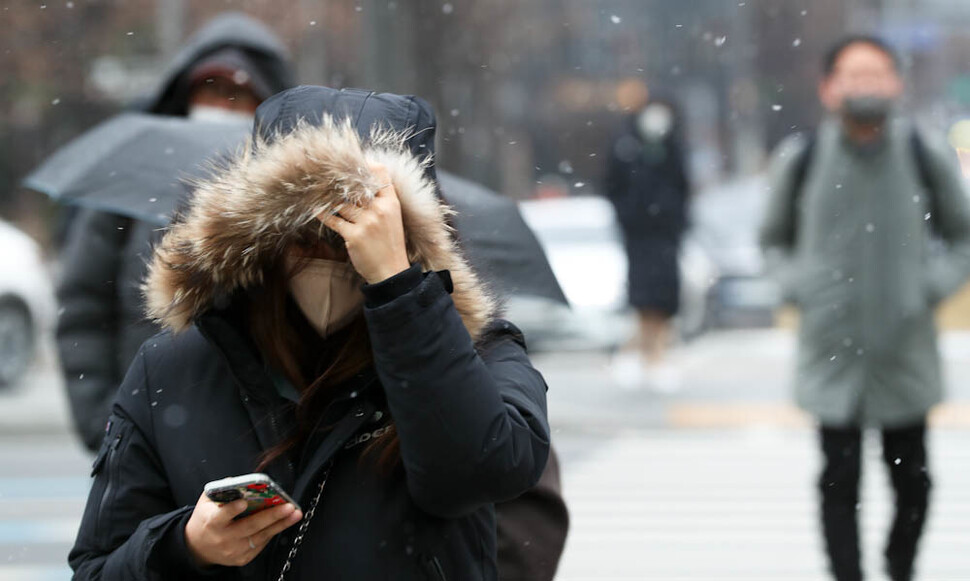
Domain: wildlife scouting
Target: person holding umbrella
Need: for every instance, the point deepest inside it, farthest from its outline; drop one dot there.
(323, 328)
(223, 73)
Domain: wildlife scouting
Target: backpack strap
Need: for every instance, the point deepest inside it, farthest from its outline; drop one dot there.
(799, 176)
(920, 156)
(926, 179)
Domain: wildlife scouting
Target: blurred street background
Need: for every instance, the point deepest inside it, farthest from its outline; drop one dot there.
(713, 480)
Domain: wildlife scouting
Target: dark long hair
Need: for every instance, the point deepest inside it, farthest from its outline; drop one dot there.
(314, 365)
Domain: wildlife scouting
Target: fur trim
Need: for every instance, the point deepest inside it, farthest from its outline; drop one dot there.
(268, 197)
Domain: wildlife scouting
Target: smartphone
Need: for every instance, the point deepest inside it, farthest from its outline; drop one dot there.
(259, 490)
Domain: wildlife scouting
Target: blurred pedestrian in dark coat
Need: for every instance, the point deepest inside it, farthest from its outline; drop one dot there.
(647, 183)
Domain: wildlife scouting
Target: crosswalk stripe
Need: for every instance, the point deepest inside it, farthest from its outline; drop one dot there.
(35, 573)
(48, 530)
(738, 504)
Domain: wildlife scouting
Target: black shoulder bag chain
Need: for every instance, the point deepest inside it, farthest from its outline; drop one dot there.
(301, 532)
(343, 430)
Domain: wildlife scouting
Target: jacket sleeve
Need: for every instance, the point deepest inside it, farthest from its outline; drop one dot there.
(131, 529)
(949, 269)
(777, 232)
(87, 329)
(472, 426)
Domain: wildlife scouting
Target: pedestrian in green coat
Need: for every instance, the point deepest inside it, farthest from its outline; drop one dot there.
(867, 231)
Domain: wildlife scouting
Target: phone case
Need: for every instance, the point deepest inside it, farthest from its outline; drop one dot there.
(259, 490)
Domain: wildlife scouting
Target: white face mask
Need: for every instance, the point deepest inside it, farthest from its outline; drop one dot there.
(327, 292)
(655, 122)
(218, 115)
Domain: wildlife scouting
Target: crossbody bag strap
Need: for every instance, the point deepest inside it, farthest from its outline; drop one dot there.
(324, 456)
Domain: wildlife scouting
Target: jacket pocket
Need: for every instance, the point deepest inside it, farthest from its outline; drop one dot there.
(434, 569)
(105, 466)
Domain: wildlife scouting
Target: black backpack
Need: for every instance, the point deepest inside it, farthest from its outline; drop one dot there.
(805, 161)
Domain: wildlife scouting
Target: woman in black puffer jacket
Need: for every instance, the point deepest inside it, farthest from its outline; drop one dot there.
(415, 407)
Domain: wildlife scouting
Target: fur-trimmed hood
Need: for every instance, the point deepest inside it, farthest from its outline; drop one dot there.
(310, 153)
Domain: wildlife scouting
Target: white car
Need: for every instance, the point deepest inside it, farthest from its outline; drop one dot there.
(582, 240)
(724, 222)
(27, 303)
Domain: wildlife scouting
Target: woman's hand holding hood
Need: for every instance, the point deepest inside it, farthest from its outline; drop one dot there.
(373, 233)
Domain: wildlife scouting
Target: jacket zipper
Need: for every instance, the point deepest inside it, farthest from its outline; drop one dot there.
(276, 432)
(435, 565)
(109, 467)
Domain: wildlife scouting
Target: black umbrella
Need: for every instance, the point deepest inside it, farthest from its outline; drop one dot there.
(135, 164)
(498, 242)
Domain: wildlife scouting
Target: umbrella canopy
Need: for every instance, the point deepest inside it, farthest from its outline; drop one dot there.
(135, 164)
(498, 242)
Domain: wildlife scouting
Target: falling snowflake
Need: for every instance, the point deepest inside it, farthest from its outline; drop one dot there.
(797, 42)
(776, 107)
(719, 41)
(615, 19)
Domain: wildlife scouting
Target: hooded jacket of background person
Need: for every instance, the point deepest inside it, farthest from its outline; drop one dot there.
(102, 324)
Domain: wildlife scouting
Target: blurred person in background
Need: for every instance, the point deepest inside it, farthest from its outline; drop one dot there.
(867, 231)
(224, 72)
(647, 184)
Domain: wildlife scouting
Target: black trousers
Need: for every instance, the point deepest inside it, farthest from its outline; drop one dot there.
(904, 453)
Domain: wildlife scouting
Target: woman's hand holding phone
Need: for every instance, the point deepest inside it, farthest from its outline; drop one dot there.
(214, 538)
